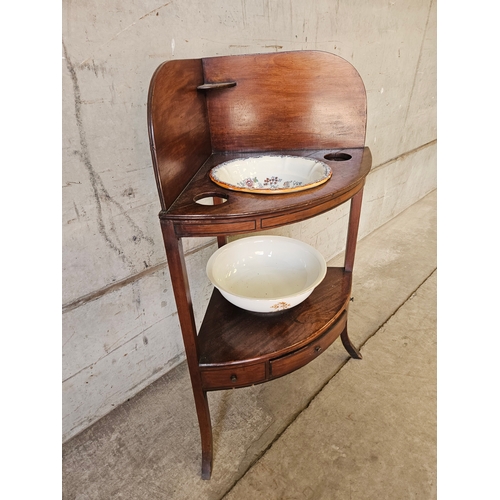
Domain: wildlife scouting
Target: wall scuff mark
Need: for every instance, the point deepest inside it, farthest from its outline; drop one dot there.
(107, 230)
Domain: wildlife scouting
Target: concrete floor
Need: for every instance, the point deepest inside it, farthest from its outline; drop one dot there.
(335, 429)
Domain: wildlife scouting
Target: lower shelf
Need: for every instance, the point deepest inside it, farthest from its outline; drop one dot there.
(239, 348)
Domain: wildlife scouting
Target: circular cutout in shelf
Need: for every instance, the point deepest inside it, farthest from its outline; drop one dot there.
(210, 199)
(338, 156)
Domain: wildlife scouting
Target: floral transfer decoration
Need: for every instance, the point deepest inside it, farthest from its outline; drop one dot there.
(280, 306)
(268, 183)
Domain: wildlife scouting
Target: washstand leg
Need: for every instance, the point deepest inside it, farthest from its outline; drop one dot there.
(352, 236)
(178, 273)
(348, 345)
(206, 437)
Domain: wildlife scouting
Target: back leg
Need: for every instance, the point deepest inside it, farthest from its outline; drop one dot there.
(349, 347)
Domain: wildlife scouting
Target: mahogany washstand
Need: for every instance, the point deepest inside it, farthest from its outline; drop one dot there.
(202, 112)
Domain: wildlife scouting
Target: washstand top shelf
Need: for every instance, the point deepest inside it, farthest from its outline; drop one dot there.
(202, 112)
(243, 211)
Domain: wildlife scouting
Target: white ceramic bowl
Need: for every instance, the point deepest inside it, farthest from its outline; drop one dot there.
(271, 174)
(266, 273)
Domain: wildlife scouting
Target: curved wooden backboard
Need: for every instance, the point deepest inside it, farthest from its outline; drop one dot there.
(288, 100)
(272, 102)
(178, 126)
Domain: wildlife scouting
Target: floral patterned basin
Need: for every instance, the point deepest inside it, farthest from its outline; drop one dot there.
(271, 174)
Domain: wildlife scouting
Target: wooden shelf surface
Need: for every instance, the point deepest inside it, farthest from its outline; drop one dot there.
(232, 336)
(241, 205)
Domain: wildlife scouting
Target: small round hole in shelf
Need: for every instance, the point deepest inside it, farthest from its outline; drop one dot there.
(338, 156)
(211, 199)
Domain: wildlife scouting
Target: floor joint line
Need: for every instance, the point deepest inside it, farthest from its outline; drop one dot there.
(297, 414)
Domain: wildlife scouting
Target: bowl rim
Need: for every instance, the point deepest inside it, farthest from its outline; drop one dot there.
(283, 190)
(311, 249)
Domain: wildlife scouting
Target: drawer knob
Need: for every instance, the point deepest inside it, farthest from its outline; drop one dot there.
(317, 348)
(234, 378)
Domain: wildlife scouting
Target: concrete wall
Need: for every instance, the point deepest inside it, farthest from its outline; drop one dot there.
(120, 326)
